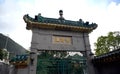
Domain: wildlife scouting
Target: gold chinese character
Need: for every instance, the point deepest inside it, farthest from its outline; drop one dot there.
(67, 40)
(56, 39)
(61, 39)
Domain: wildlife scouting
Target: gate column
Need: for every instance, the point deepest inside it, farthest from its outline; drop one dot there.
(87, 54)
(33, 62)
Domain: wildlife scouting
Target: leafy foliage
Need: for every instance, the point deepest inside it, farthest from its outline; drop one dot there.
(46, 61)
(54, 62)
(107, 43)
(1, 54)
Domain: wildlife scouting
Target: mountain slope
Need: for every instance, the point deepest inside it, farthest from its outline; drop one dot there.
(11, 45)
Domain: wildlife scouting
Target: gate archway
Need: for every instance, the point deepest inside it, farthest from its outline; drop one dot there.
(50, 34)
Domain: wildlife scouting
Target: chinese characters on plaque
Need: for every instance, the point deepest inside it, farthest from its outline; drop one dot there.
(62, 40)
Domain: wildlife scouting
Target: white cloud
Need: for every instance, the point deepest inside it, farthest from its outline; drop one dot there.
(108, 21)
(11, 22)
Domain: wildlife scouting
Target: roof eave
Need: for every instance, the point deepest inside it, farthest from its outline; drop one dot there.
(32, 24)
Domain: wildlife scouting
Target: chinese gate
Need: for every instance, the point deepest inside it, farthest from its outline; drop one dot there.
(50, 34)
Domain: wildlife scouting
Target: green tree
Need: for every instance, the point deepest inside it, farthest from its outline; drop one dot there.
(54, 62)
(4, 54)
(47, 61)
(1, 54)
(107, 43)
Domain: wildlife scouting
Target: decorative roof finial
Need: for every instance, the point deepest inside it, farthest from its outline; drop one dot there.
(61, 14)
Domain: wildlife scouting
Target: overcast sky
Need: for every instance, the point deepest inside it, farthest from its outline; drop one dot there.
(106, 13)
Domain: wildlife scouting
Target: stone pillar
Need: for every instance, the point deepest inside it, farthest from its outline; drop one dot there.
(90, 67)
(33, 63)
(33, 55)
(12, 69)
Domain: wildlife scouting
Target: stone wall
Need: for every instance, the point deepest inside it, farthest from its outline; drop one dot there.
(44, 40)
(22, 71)
(4, 68)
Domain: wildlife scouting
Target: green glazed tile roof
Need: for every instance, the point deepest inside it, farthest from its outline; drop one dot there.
(60, 22)
(19, 58)
(113, 56)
